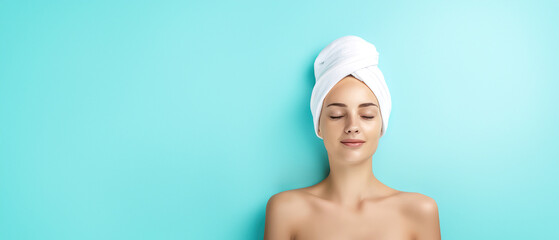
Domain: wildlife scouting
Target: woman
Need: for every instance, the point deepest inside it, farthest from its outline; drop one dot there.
(351, 105)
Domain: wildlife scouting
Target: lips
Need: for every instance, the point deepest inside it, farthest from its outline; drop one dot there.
(352, 142)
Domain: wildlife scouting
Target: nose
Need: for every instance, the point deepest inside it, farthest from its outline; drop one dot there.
(352, 125)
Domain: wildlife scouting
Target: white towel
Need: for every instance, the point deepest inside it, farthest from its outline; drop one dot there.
(349, 55)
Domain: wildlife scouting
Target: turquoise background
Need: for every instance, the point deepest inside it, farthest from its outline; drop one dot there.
(178, 120)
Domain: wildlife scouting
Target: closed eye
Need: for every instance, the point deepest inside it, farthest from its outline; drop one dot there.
(367, 117)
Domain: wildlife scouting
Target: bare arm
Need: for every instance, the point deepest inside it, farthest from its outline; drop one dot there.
(278, 218)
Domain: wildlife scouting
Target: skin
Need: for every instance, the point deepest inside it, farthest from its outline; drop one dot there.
(350, 203)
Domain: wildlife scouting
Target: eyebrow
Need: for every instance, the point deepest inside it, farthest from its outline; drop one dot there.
(360, 105)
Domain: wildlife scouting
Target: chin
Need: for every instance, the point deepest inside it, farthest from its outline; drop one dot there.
(355, 155)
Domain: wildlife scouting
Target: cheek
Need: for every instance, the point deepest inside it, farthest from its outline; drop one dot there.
(332, 125)
(373, 126)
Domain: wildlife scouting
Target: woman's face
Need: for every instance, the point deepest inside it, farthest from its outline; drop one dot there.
(343, 118)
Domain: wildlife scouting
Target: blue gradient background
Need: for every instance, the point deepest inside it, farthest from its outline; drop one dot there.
(178, 120)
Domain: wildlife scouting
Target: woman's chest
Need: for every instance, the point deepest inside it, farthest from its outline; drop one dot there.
(377, 224)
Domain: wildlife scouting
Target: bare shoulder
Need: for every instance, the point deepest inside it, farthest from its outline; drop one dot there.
(286, 200)
(284, 211)
(423, 213)
(291, 202)
(418, 203)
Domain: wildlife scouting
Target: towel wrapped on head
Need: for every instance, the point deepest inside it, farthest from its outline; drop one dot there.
(344, 56)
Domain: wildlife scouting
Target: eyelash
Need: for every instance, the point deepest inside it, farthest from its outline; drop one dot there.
(332, 117)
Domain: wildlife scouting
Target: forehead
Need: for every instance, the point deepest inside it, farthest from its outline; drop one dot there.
(350, 91)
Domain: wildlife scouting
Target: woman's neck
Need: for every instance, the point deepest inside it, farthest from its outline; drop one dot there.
(349, 183)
